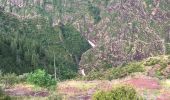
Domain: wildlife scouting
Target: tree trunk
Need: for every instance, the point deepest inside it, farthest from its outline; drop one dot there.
(55, 69)
(77, 60)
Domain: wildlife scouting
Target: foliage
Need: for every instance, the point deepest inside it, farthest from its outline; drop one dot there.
(29, 43)
(9, 79)
(159, 66)
(73, 41)
(162, 71)
(167, 45)
(95, 74)
(23, 77)
(118, 93)
(127, 69)
(41, 78)
(115, 73)
(152, 61)
(94, 12)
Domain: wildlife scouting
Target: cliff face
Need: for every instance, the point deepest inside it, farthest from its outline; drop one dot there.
(128, 30)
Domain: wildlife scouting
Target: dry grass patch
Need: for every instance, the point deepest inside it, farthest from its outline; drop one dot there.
(81, 85)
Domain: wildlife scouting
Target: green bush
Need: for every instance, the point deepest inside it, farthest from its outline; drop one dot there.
(135, 67)
(9, 79)
(167, 46)
(118, 93)
(152, 61)
(114, 73)
(94, 11)
(159, 72)
(127, 69)
(94, 74)
(158, 69)
(162, 61)
(41, 78)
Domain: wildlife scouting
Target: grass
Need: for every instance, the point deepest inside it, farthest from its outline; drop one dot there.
(30, 98)
(72, 88)
(166, 83)
(53, 95)
(82, 85)
(85, 86)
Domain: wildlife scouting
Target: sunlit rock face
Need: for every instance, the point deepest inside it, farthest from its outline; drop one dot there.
(133, 30)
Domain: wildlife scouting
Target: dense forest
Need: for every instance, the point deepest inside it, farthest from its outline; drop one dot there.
(33, 43)
(83, 40)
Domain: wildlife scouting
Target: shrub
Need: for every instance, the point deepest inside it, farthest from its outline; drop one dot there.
(135, 67)
(23, 77)
(95, 74)
(152, 61)
(159, 65)
(41, 78)
(119, 72)
(127, 69)
(163, 64)
(114, 73)
(119, 93)
(9, 79)
(94, 11)
(161, 72)
(167, 46)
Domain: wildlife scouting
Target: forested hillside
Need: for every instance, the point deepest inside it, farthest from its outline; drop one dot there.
(83, 40)
(30, 44)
